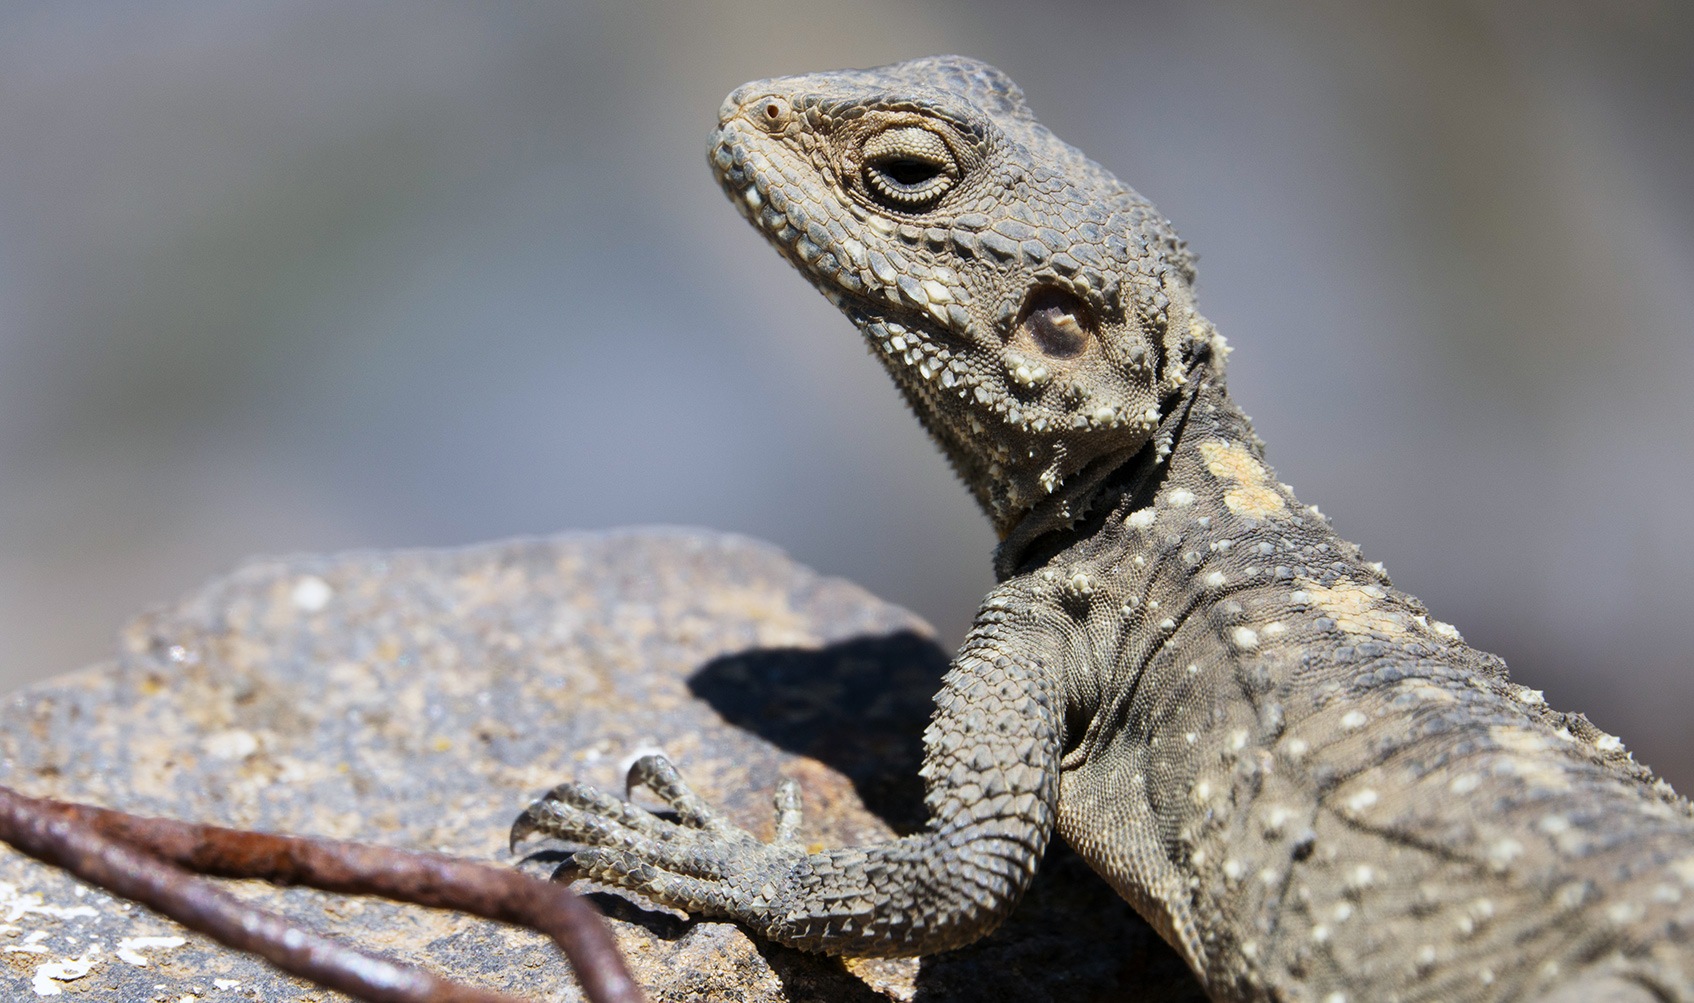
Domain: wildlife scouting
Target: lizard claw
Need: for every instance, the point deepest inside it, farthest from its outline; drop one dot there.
(702, 862)
(522, 829)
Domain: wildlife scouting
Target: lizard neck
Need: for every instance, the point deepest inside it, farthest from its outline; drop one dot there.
(1077, 510)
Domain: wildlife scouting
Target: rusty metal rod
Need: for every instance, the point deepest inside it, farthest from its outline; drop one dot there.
(155, 862)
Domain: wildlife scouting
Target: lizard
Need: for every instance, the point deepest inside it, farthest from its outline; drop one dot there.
(1309, 786)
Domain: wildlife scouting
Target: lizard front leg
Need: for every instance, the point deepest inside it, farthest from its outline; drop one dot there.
(991, 768)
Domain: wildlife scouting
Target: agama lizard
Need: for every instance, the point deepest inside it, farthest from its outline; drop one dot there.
(1310, 787)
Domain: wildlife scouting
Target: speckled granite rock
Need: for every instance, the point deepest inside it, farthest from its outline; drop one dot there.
(422, 698)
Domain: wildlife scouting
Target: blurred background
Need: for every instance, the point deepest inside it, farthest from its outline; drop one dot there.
(309, 275)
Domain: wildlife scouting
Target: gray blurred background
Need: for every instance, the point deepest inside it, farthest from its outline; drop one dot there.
(283, 276)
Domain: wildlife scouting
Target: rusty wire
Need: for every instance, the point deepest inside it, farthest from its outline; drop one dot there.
(161, 864)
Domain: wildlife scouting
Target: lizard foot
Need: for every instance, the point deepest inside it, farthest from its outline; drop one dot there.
(701, 863)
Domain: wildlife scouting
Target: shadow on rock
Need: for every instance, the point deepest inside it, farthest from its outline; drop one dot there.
(859, 707)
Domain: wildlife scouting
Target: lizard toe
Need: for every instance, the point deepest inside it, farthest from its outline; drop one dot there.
(656, 773)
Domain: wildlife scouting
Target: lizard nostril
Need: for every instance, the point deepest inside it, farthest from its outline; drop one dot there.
(1056, 322)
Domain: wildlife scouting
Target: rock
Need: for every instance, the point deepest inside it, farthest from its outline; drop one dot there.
(422, 698)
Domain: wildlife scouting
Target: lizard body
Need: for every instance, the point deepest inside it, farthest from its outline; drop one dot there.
(1312, 789)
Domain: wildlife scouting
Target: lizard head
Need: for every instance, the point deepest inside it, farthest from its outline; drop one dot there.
(1033, 309)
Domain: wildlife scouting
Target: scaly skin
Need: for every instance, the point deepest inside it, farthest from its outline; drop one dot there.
(1309, 787)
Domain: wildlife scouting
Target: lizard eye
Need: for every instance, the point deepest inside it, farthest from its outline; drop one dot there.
(908, 168)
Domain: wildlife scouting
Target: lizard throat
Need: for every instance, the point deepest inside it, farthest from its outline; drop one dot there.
(1084, 500)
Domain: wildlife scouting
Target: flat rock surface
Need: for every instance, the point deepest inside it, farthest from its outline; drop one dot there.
(422, 698)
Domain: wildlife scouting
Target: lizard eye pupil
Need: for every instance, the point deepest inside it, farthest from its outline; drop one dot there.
(908, 168)
(909, 172)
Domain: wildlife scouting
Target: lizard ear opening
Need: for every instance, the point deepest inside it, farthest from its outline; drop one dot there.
(1056, 322)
